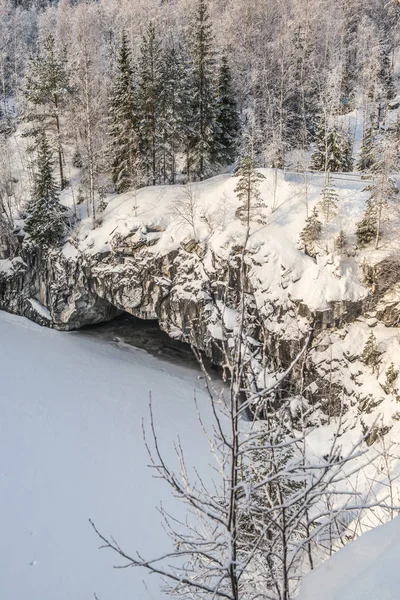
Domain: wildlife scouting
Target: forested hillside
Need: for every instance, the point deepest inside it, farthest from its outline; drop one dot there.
(150, 92)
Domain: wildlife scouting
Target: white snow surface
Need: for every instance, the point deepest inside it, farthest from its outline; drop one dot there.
(71, 449)
(367, 569)
(278, 263)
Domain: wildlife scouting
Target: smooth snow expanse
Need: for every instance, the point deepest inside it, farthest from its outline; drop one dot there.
(71, 448)
(367, 569)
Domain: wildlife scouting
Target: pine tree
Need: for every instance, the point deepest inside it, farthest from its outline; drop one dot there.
(329, 199)
(149, 103)
(46, 88)
(122, 131)
(227, 116)
(203, 145)
(46, 223)
(248, 193)
(371, 354)
(311, 233)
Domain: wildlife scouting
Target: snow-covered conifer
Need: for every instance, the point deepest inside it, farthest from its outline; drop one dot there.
(311, 233)
(46, 88)
(203, 144)
(367, 157)
(123, 148)
(329, 199)
(46, 222)
(227, 115)
(251, 207)
(391, 378)
(371, 355)
(340, 241)
(149, 103)
(328, 153)
(175, 103)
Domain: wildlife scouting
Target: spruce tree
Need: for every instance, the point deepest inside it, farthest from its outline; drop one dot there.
(367, 227)
(203, 145)
(46, 88)
(334, 150)
(248, 193)
(340, 241)
(149, 103)
(46, 222)
(391, 377)
(318, 157)
(371, 355)
(367, 157)
(346, 152)
(122, 128)
(349, 55)
(311, 233)
(175, 111)
(227, 116)
(329, 199)
(386, 70)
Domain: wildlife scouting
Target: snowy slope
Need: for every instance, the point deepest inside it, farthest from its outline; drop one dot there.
(71, 448)
(274, 245)
(367, 569)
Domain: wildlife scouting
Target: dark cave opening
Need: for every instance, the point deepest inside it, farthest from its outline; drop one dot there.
(146, 335)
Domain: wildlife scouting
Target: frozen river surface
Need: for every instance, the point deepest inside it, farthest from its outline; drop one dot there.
(71, 448)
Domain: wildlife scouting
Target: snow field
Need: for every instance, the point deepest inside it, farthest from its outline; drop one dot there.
(71, 449)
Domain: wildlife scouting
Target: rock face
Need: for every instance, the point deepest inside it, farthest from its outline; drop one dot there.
(194, 296)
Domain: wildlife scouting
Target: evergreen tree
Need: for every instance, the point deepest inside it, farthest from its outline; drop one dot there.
(367, 157)
(346, 148)
(334, 151)
(367, 227)
(391, 377)
(340, 241)
(311, 233)
(227, 115)
(386, 70)
(122, 131)
(174, 108)
(248, 193)
(46, 222)
(46, 88)
(318, 158)
(149, 103)
(203, 145)
(328, 155)
(349, 55)
(371, 354)
(329, 199)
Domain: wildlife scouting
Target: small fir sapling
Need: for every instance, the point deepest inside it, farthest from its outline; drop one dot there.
(371, 355)
(311, 233)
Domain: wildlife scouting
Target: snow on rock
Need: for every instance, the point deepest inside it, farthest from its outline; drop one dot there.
(150, 257)
(367, 569)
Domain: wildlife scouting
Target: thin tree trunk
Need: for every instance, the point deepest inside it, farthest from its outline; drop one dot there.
(59, 148)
